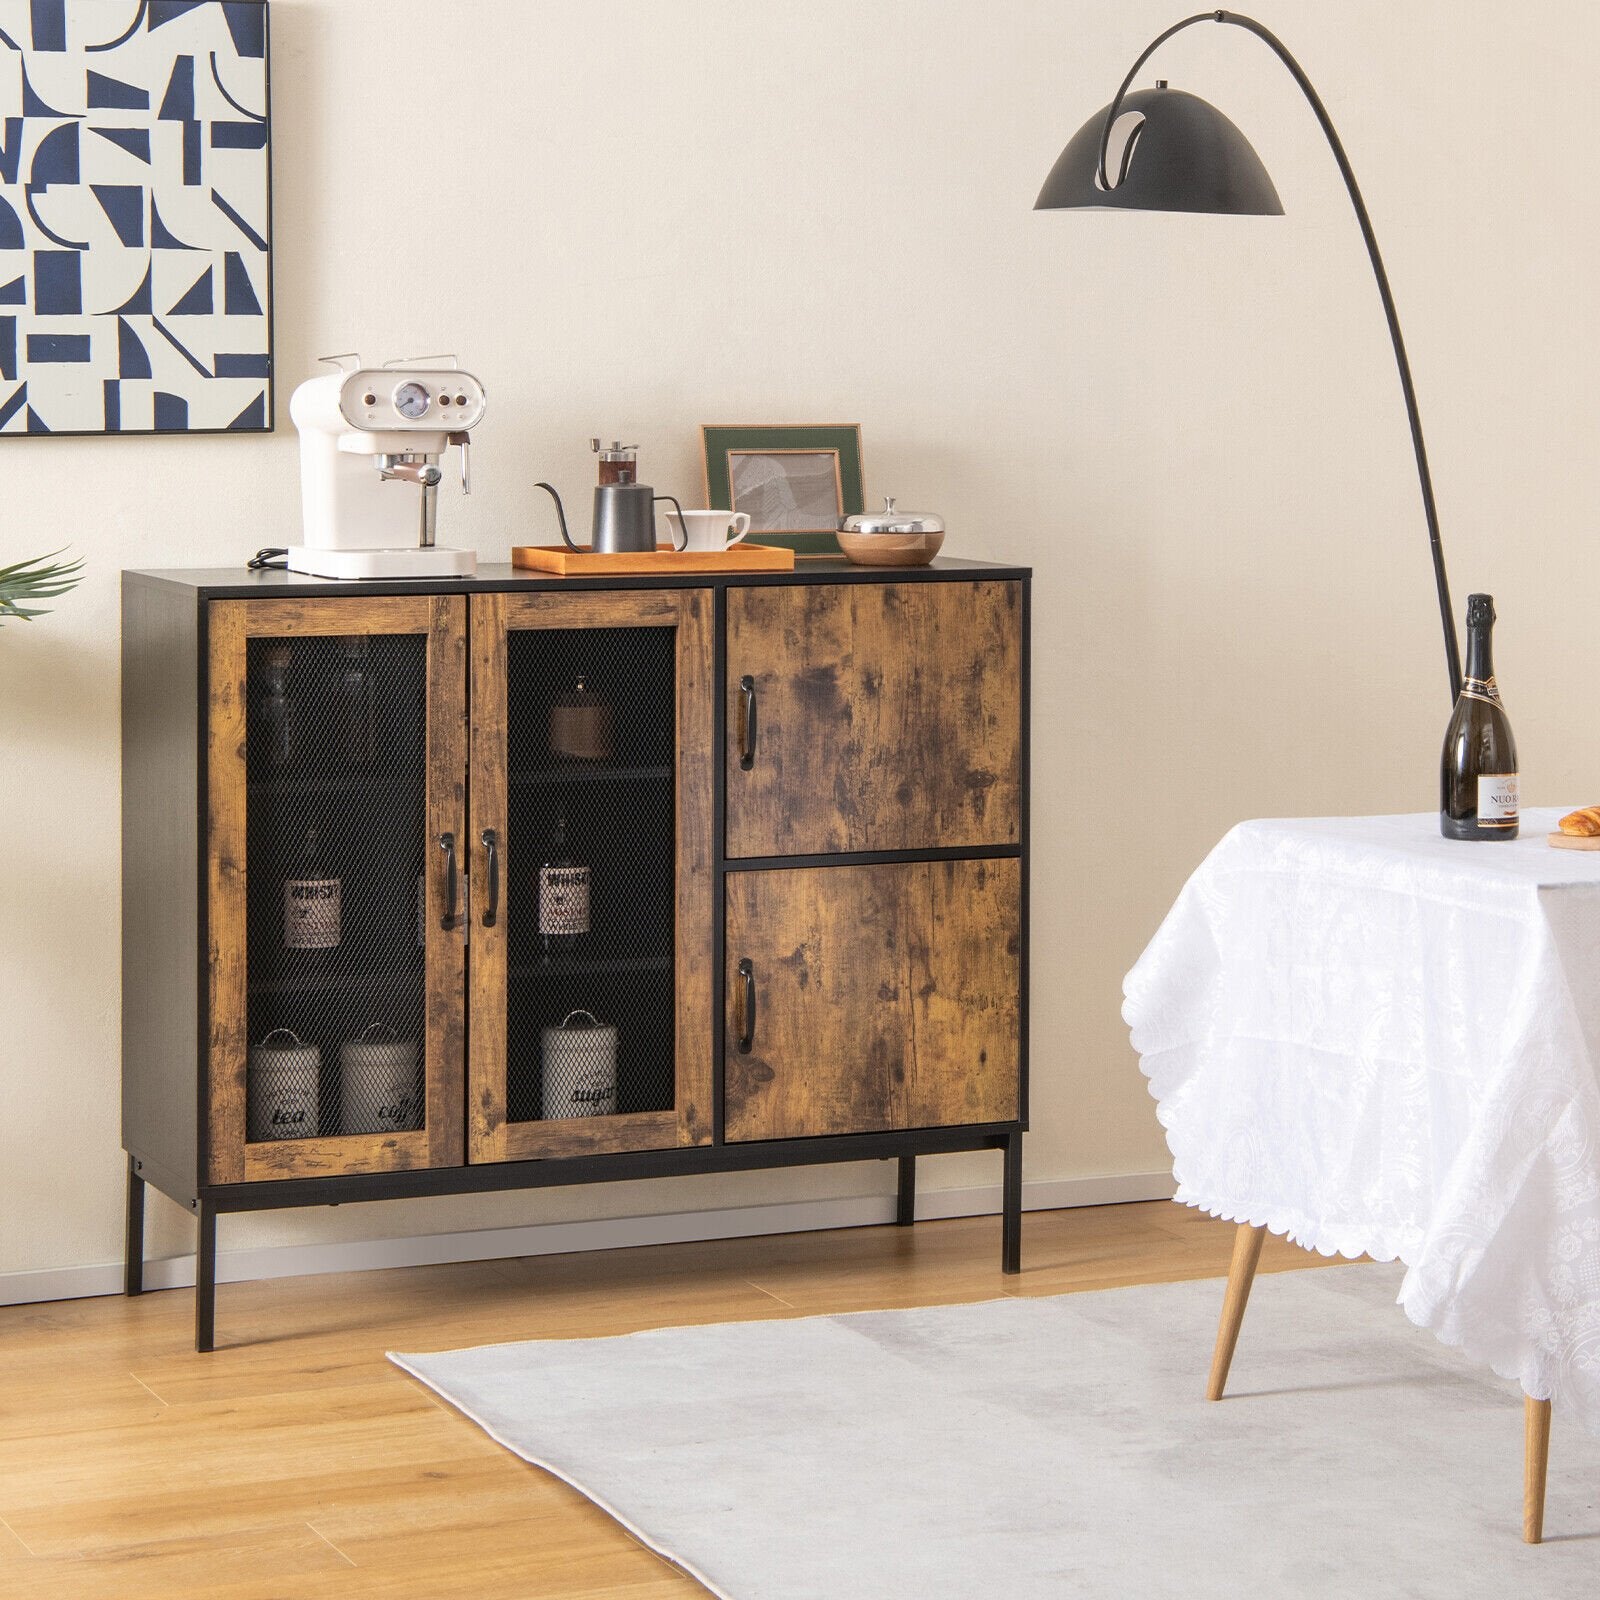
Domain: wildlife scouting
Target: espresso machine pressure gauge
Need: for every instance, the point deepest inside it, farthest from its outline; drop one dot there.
(411, 401)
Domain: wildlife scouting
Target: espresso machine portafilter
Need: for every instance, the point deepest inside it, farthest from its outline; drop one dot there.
(371, 439)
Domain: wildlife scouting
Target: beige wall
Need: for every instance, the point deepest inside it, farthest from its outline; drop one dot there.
(638, 217)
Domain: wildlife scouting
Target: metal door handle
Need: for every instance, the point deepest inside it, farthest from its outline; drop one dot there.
(491, 855)
(747, 1039)
(447, 843)
(747, 723)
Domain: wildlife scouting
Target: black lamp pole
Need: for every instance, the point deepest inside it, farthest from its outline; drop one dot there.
(1178, 171)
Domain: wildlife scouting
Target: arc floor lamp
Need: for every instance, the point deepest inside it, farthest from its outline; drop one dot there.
(1177, 152)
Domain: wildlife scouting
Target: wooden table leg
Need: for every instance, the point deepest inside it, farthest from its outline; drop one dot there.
(1535, 1463)
(1246, 1253)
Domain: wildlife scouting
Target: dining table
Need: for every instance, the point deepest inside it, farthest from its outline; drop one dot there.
(1379, 1042)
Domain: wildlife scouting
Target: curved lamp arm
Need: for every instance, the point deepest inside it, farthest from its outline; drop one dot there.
(1452, 648)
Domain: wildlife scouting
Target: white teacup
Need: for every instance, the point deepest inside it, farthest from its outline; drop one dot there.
(708, 530)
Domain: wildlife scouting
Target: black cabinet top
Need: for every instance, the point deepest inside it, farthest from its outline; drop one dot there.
(239, 583)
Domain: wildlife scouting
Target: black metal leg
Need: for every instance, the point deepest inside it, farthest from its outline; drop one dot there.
(1011, 1207)
(205, 1279)
(905, 1212)
(133, 1241)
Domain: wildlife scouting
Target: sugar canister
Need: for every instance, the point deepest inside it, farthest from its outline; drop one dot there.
(580, 1068)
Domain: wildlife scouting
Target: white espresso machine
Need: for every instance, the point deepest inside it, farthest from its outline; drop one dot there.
(370, 443)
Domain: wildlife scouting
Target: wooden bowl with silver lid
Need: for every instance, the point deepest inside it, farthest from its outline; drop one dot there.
(891, 538)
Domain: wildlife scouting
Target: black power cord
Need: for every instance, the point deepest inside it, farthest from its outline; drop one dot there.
(269, 559)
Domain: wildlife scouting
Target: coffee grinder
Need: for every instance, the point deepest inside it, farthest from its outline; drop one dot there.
(370, 443)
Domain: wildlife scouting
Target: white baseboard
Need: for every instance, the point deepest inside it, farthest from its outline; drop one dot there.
(560, 1238)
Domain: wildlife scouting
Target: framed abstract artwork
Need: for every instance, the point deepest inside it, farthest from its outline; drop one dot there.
(135, 217)
(795, 482)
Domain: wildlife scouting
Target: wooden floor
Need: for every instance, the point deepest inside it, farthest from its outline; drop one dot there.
(297, 1462)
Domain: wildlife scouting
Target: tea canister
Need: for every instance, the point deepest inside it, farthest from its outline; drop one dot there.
(581, 725)
(580, 1068)
(282, 1088)
(379, 1082)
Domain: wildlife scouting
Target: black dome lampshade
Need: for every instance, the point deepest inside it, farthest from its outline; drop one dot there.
(1170, 151)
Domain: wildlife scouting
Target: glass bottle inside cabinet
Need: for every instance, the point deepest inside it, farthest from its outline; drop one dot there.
(354, 731)
(562, 894)
(272, 726)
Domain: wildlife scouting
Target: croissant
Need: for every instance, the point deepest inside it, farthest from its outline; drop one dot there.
(1585, 823)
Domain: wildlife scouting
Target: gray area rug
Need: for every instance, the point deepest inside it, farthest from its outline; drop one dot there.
(1020, 1449)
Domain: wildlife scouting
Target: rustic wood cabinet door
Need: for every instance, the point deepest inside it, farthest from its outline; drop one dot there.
(867, 998)
(873, 716)
(336, 774)
(591, 1009)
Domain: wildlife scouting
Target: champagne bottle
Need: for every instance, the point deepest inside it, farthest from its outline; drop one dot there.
(563, 896)
(312, 902)
(1478, 783)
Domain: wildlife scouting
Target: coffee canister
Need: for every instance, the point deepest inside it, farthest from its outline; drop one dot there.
(580, 1068)
(581, 725)
(281, 1088)
(380, 1084)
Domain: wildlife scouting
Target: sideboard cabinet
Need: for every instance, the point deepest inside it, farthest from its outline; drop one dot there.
(513, 881)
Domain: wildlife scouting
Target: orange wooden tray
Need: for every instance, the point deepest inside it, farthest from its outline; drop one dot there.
(568, 563)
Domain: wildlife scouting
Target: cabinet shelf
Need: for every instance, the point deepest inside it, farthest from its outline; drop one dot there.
(337, 983)
(355, 785)
(589, 967)
(561, 777)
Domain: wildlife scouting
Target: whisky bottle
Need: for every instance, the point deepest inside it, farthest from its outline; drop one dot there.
(563, 896)
(312, 901)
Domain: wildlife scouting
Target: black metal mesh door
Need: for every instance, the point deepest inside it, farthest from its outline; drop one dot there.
(335, 822)
(590, 894)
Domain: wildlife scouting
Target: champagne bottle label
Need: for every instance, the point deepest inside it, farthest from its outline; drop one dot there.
(563, 900)
(1481, 689)
(311, 913)
(1497, 800)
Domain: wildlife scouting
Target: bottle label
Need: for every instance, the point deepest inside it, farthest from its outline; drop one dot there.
(1481, 689)
(311, 913)
(563, 900)
(1497, 800)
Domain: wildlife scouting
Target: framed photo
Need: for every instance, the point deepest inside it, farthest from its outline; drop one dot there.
(794, 482)
(135, 217)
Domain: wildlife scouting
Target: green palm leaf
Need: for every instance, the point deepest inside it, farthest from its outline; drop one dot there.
(41, 578)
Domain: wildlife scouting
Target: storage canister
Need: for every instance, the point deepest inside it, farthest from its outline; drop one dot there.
(380, 1085)
(580, 1068)
(281, 1089)
(580, 725)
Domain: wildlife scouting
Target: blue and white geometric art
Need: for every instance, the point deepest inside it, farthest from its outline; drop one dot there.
(135, 217)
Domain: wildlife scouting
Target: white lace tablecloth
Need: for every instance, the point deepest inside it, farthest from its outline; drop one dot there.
(1372, 1039)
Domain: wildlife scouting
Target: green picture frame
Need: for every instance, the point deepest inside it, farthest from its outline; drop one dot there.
(795, 481)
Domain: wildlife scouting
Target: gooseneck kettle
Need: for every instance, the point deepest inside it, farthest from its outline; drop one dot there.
(624, 518)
